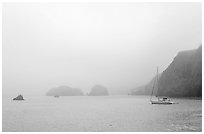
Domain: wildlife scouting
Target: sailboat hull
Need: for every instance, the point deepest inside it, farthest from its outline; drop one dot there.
(162, 102)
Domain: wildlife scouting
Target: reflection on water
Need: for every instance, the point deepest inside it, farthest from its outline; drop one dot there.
(110, 113)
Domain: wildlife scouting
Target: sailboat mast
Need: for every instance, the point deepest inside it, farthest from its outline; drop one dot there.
(154, 84)
(157, 80)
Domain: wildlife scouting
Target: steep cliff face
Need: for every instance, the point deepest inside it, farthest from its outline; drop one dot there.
(183, 77)
(64, 91)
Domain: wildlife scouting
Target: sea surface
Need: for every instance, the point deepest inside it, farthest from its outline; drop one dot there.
(99, 114)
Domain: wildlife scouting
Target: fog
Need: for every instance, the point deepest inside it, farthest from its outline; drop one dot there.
(117, 45)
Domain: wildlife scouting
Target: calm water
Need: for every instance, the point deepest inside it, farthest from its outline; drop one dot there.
(111, 113)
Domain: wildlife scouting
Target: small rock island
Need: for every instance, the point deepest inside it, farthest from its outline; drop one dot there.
(19, 97)
(99, 90)
(64, 91)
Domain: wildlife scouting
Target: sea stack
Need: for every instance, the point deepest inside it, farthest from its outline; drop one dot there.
(19, 97)
(98, 90)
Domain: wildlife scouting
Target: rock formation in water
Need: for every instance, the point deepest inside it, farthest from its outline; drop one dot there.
(98, 90)
(64, 91)
(182, 78)
(19, 97)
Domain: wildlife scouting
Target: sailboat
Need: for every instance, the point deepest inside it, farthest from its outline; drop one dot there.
(159, 100)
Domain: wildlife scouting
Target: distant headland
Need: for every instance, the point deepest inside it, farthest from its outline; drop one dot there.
(65, 91)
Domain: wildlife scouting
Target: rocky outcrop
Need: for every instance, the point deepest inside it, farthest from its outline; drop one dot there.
(64, 91)
(19, 97)
(183, 77)
(99, 90)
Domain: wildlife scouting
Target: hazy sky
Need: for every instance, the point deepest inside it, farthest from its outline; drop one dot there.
(46, 45)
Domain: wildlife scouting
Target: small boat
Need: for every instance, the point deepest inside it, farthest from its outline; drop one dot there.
(56, 96)
(160, 100)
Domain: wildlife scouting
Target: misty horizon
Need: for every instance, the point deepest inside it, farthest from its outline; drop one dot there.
(117, 45)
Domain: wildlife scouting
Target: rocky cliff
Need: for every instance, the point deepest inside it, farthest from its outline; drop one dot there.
(183, 77)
